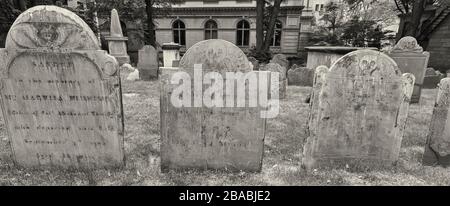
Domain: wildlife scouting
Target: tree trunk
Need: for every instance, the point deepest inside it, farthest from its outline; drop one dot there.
(272, 21)
(260, 4)
(416, 16)
(151, 40)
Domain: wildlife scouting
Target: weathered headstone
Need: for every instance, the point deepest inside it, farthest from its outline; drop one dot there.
(411, 58)
(358, 112)
(437, 148)
(432, 78)
(300, 76)
(281, 60)
(327, 55)
(148, 63)
(60, 93)
(274, 67)
(203, 137)
(116, 41)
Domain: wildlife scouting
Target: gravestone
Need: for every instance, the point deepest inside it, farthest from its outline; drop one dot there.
(432, 78)
(281, 60)
(171, 52)
(358, 112)
(254, 62)
(116, 41)
(300, 76)
(60, 93)
(203, 137)
(437, 148)
(411, 58)
(327, 55)
(274, 67)
(148, 63)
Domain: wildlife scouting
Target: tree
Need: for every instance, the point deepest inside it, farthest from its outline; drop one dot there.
(354, 23)
(361, 33)
(266, 18)
(415, 9)
(260, 4)
(416, 16)
(330, 26)
(274, 10)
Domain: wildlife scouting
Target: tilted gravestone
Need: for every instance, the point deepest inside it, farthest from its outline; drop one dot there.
(300, 76)
(211, 137)
(437, 148)
(60, 93)
(358, 112)
(411, 58)
(274, 67)
(148, 63)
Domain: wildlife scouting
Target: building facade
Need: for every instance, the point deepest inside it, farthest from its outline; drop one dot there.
(191, 21)
(233, 20)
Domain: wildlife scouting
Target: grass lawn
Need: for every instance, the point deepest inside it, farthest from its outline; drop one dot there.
(285, 137)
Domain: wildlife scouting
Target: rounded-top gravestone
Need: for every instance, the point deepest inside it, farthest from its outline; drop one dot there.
(223, 134)
(50, 27)
(61, 97)
(216, 55)
(358, 114)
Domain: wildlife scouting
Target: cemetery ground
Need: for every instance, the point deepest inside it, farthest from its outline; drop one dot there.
(284, 141)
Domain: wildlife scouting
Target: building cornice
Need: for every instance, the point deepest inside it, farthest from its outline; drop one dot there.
(196, 10)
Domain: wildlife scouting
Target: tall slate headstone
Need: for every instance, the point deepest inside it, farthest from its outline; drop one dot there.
(60, 94)
(437, 148)
(148, 63)
(358, 112)
(226, 138)
(411, 58)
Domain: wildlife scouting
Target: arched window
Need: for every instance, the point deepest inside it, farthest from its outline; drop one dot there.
(243, 33)
(179, 32)
(210, 30)
(276, 39)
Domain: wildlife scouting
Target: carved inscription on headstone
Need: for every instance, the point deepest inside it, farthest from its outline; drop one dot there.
(226, 138)
(60, 94)
(358, 111)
